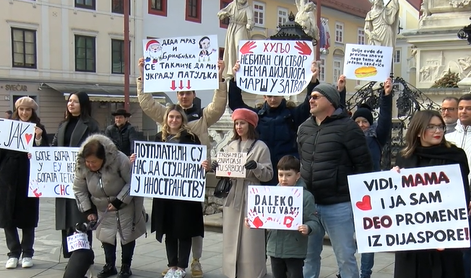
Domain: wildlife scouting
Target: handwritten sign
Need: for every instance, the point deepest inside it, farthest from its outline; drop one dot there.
(169, 171)
(275, 207)
(367, 62)
(52, 172)
(421, 208)
(181, 64)
(274, 67)
(77, 241)
(16, 135)
(231, 164)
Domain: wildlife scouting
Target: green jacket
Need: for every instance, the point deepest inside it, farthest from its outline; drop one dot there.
(286, 244)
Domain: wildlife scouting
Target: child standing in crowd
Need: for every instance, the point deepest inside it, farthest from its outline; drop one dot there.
(288, 249)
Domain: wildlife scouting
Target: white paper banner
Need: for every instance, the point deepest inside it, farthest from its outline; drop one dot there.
(275, 207)
(16, 135)
(231, 164)
(169, 171)
(274, 67)
(77, 241)
(367, 62)
(52, 172)
(421, 208)
(181, 64)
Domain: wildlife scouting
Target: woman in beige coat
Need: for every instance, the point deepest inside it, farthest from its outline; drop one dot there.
(244, 249)
(102, 185)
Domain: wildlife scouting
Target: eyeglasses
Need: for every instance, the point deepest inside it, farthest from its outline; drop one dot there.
(316, 97)
(444, 109)
(436, 127)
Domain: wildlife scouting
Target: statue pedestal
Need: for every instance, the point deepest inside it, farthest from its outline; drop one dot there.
(465, 83)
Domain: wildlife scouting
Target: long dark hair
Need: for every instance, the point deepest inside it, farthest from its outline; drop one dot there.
(85, 106)
(33, 119)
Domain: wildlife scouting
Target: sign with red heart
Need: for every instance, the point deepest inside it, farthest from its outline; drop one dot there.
(16, 135)
(231, 164)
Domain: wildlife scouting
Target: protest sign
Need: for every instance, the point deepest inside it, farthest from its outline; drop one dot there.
(169, 171)
(77, 241)
(181, 64)
(16, 135)
(418, 208)
(52, 172)
(275, 207)
(367, 62)
(231, 164)
(276, 68)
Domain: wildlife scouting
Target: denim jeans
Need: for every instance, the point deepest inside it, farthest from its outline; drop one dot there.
(337, 221)
(367, 262)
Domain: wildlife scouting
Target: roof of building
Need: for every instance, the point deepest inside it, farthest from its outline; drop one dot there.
(354, 7)
(415, 3)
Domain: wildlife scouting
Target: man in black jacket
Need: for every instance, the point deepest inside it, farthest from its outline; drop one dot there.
(331, 147)
(122, 133)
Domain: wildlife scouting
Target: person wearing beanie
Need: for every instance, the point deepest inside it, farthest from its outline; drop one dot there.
(122, 132)
(247, 257)
(279, 119)
(17, 210)
(331, 147)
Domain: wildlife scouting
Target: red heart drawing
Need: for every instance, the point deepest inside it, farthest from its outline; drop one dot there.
(28, 137)
(257, 222)
(365, 203)
(228, 173)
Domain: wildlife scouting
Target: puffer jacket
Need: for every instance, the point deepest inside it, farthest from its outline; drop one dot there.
(123, 137)
(461, 137)
(329, 152)
(286, 244)
(197, 124)
(111, 184)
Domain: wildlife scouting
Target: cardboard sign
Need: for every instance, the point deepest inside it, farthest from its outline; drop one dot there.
(169, 171)
(52, 172)
(275, 207)
(420, 208)
(181, 64)
(367, 62)
(276, 68)
(231, 164)
(77, 241)
(16, 135)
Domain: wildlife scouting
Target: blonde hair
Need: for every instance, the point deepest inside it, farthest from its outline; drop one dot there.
(183, 127)
(418, 126)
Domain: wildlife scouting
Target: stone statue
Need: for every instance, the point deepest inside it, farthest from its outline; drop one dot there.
(459, 3)
(381, 23)
(240, 16)
(424, 8)
(306, 18)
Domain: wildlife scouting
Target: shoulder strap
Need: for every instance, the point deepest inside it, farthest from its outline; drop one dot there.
(251, 146)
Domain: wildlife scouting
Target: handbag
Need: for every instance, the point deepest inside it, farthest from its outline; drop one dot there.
(224, 185)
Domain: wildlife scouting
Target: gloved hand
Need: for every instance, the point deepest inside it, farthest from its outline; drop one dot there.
(214, 165)
(250, 165)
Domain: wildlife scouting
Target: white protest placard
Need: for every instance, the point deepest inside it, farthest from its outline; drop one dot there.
(274, 67)
(231, 164)
(181, 64)
(275, 207)
(419, 208)
(16, 135)
(77, 241)
(367, 62)
(52, 172)
(169, 171)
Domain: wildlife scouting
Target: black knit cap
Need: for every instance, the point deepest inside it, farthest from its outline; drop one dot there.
(364, 111)
(329, 92)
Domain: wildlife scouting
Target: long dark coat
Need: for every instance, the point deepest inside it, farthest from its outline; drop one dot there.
(16, 208)
(67, 213)
(181, 219)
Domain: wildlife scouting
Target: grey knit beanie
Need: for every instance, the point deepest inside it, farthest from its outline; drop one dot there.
(330, 93)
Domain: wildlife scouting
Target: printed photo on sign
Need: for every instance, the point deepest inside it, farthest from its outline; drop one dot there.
(77, 241)
(52, 172)
(418, 208)
(181, 64)
(16, 135)
(367, 62)
(275, 207)
(231, 164)
(169, 171)
(274, 67)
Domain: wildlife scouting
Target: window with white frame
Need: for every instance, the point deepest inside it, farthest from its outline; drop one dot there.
(397, 56)
(321, 70)
(361, 36)
(339, 32)
(282, 16)
(338, 64)
(259, 13)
